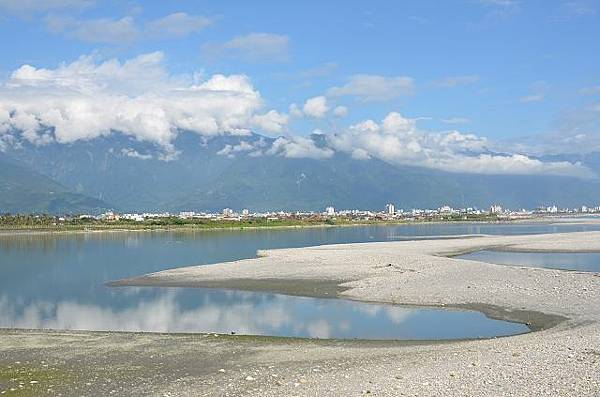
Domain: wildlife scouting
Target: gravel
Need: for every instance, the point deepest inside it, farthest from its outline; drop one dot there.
(561, 358)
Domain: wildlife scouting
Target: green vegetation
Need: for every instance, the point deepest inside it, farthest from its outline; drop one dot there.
(52, 223)
(23, 381)
(24, 190)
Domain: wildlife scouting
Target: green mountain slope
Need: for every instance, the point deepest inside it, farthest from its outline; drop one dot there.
(200, 179)
(23, 190)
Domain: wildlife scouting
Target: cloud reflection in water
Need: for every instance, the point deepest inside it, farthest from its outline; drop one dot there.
(198, 310)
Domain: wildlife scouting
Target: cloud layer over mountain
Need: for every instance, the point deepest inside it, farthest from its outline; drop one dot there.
(89, 98)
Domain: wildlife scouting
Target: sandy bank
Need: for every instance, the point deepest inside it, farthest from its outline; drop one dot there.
(560, 360)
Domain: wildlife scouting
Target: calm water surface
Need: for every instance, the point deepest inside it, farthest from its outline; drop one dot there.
(578, 261)
(57, 281)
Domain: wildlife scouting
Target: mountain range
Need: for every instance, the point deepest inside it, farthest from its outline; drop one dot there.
(121, 173)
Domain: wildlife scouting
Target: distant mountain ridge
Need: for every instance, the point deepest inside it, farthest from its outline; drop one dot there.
(24, 190)
(122, 173)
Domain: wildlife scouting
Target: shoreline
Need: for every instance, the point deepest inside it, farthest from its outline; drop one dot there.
(566, 353)
(263, 272)
(189, 229)
(560, 305)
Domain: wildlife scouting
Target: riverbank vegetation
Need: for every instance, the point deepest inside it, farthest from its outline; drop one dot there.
(44, 222)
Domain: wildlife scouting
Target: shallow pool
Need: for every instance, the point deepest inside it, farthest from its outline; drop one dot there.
(579, 261)
(252, 313)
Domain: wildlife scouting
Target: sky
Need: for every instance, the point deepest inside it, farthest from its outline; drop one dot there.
(483, 86)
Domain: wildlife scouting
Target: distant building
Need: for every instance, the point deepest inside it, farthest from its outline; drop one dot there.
(495, 209)
(446, 209)
(245, 212)
(227, 212)
(390, 209)
(330, 211)
(110, 216)
(134, 217)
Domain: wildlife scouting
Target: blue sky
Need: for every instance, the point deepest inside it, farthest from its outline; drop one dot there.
(514, 72)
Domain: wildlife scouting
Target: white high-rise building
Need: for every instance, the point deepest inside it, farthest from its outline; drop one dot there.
(227, 212)
(330, 211)
(390, 209)
(495, 209)
(245, 212)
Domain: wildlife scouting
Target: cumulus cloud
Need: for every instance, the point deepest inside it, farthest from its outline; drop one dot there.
(397, 140)
(298, 147)
(272, 121)
(253, 47)
(316, 107)
(89, 98)
(368, 87)
(86, 99)
(243, 146)
(178, 24)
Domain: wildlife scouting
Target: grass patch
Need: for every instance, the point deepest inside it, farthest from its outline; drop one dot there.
(21, 380)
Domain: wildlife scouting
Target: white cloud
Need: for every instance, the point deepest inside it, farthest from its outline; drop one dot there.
(367, 87)
(243, 146)
(253, 47)
(272, 121)
(178, 24)
(340, 111)
(87, 99)
(298, 147)
(397, 140)
(360, 154)
(453, 81)
(104, 30)
(41, 6)
(456, 120)
(316, 107)
(516, 164)
(129, 152)
(295, 111)
(126, 30)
